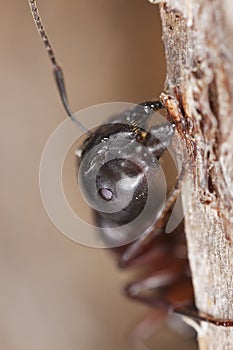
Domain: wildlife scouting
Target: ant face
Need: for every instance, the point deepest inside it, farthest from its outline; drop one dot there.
(117, 166)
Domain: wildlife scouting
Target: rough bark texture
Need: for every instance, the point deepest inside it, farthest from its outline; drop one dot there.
(198, 38)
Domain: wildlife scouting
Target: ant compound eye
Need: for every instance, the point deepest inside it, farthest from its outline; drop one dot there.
(106, 194)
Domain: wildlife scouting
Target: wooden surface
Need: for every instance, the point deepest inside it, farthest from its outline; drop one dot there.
(199, 51)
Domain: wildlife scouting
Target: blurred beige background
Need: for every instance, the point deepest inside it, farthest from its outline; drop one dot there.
(56, 294)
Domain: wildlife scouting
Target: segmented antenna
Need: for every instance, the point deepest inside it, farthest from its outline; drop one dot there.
(57, 71)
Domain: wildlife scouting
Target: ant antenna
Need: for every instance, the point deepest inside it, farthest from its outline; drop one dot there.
(57, 71)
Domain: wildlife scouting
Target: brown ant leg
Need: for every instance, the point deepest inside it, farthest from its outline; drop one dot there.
(152, 322)
(202, 317)
(173, 291)
(173, 274)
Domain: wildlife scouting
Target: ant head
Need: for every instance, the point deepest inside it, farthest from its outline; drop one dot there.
(116, 176)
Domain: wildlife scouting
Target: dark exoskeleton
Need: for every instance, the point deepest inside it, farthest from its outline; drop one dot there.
(122, 159)
(166, 284)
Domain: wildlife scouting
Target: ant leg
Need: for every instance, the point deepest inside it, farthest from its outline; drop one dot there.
(202, 317)
(161, 133)
(152, 105)
(159, 223)
(180, 292)
(165, 277)
(173, 290)
(153, 321)
(139, 114)
(159, 138)
(159, 251)
(145, 329)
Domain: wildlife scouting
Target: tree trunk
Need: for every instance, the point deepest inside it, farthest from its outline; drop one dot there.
(198, 38)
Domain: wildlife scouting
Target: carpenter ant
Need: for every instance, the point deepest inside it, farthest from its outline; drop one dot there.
(164, 255)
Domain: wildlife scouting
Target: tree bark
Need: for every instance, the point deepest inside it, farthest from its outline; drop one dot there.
(198, 39)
